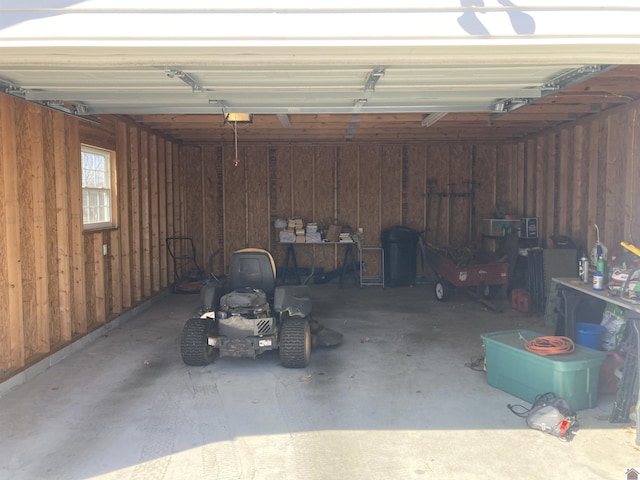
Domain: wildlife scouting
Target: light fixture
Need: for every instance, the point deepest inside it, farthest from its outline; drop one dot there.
(432, 118)
(238, 117)
(233, 119)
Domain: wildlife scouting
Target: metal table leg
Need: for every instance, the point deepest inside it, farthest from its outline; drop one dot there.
(290, 257)
(571, 299)
(348, 264)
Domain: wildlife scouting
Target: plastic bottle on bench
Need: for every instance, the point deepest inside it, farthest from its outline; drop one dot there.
(601, 265)
(598, 281)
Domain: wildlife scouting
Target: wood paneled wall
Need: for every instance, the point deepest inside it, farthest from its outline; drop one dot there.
(360, 185)
(56, 284)
(571, 178)
(580, 175)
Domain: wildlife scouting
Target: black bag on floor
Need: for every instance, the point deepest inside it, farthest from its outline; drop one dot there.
(549, 414)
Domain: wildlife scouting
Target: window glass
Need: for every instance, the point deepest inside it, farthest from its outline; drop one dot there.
(96, 188)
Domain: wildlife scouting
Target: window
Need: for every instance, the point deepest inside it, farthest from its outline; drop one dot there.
(97, 191)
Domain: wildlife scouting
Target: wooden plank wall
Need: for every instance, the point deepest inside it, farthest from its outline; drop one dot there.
(56, 284)
(366, 186)
(580, 175)
(570, 178)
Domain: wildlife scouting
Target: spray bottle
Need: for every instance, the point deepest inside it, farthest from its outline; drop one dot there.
(584, 269)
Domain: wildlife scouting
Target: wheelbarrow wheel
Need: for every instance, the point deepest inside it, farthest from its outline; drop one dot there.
(442, 290)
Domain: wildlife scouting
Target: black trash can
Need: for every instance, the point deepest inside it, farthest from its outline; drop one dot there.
(399, 244)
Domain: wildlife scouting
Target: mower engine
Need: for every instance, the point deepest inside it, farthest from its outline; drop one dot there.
(246, 327)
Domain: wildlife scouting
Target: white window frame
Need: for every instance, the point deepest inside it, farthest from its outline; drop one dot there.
(98, 189)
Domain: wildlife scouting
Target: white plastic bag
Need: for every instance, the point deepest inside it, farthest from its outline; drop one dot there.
(613, 322)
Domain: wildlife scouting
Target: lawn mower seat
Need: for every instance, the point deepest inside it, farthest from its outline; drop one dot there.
(255, 268)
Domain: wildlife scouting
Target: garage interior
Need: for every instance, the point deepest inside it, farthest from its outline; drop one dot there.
(495, 107)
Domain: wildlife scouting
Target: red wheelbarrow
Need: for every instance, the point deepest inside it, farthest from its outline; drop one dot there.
(485, 280)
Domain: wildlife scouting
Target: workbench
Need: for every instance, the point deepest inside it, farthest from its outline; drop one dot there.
(348, 266)
(566, 294)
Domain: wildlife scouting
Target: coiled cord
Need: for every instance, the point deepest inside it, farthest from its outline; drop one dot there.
(550, 345)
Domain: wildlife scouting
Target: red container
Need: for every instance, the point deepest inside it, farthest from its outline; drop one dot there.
(608, 380)
(520, 300)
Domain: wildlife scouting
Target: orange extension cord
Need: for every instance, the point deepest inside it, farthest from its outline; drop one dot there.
(550, 345)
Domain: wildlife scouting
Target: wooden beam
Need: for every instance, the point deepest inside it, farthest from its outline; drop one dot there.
(579, 174)
(90, 275)
(549, 223)
(120, 240)
(61, 325)
(563, 191)
(136, 215)
(30, 208)
(257, 185)
(170, 206)
(154, 215)
(163, 148)
(12, 353)
(541, 175)
(99, 279)
(145, 215)
(72, 148)
(415, 186)
(41, 219)
(391, 187)
(618, 154)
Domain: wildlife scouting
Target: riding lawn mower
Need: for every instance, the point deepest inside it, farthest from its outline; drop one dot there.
(250, 316)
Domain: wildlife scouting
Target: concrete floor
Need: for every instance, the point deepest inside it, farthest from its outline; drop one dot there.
(393, 401)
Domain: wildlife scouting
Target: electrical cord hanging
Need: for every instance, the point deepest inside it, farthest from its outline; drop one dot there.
(550, 345)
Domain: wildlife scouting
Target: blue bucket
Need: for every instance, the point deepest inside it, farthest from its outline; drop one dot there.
(589, 335)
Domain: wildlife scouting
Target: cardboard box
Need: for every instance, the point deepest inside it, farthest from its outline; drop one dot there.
(333, 233)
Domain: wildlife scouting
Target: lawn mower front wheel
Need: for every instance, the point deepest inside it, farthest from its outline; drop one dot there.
(295, 343)
(194, 346)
